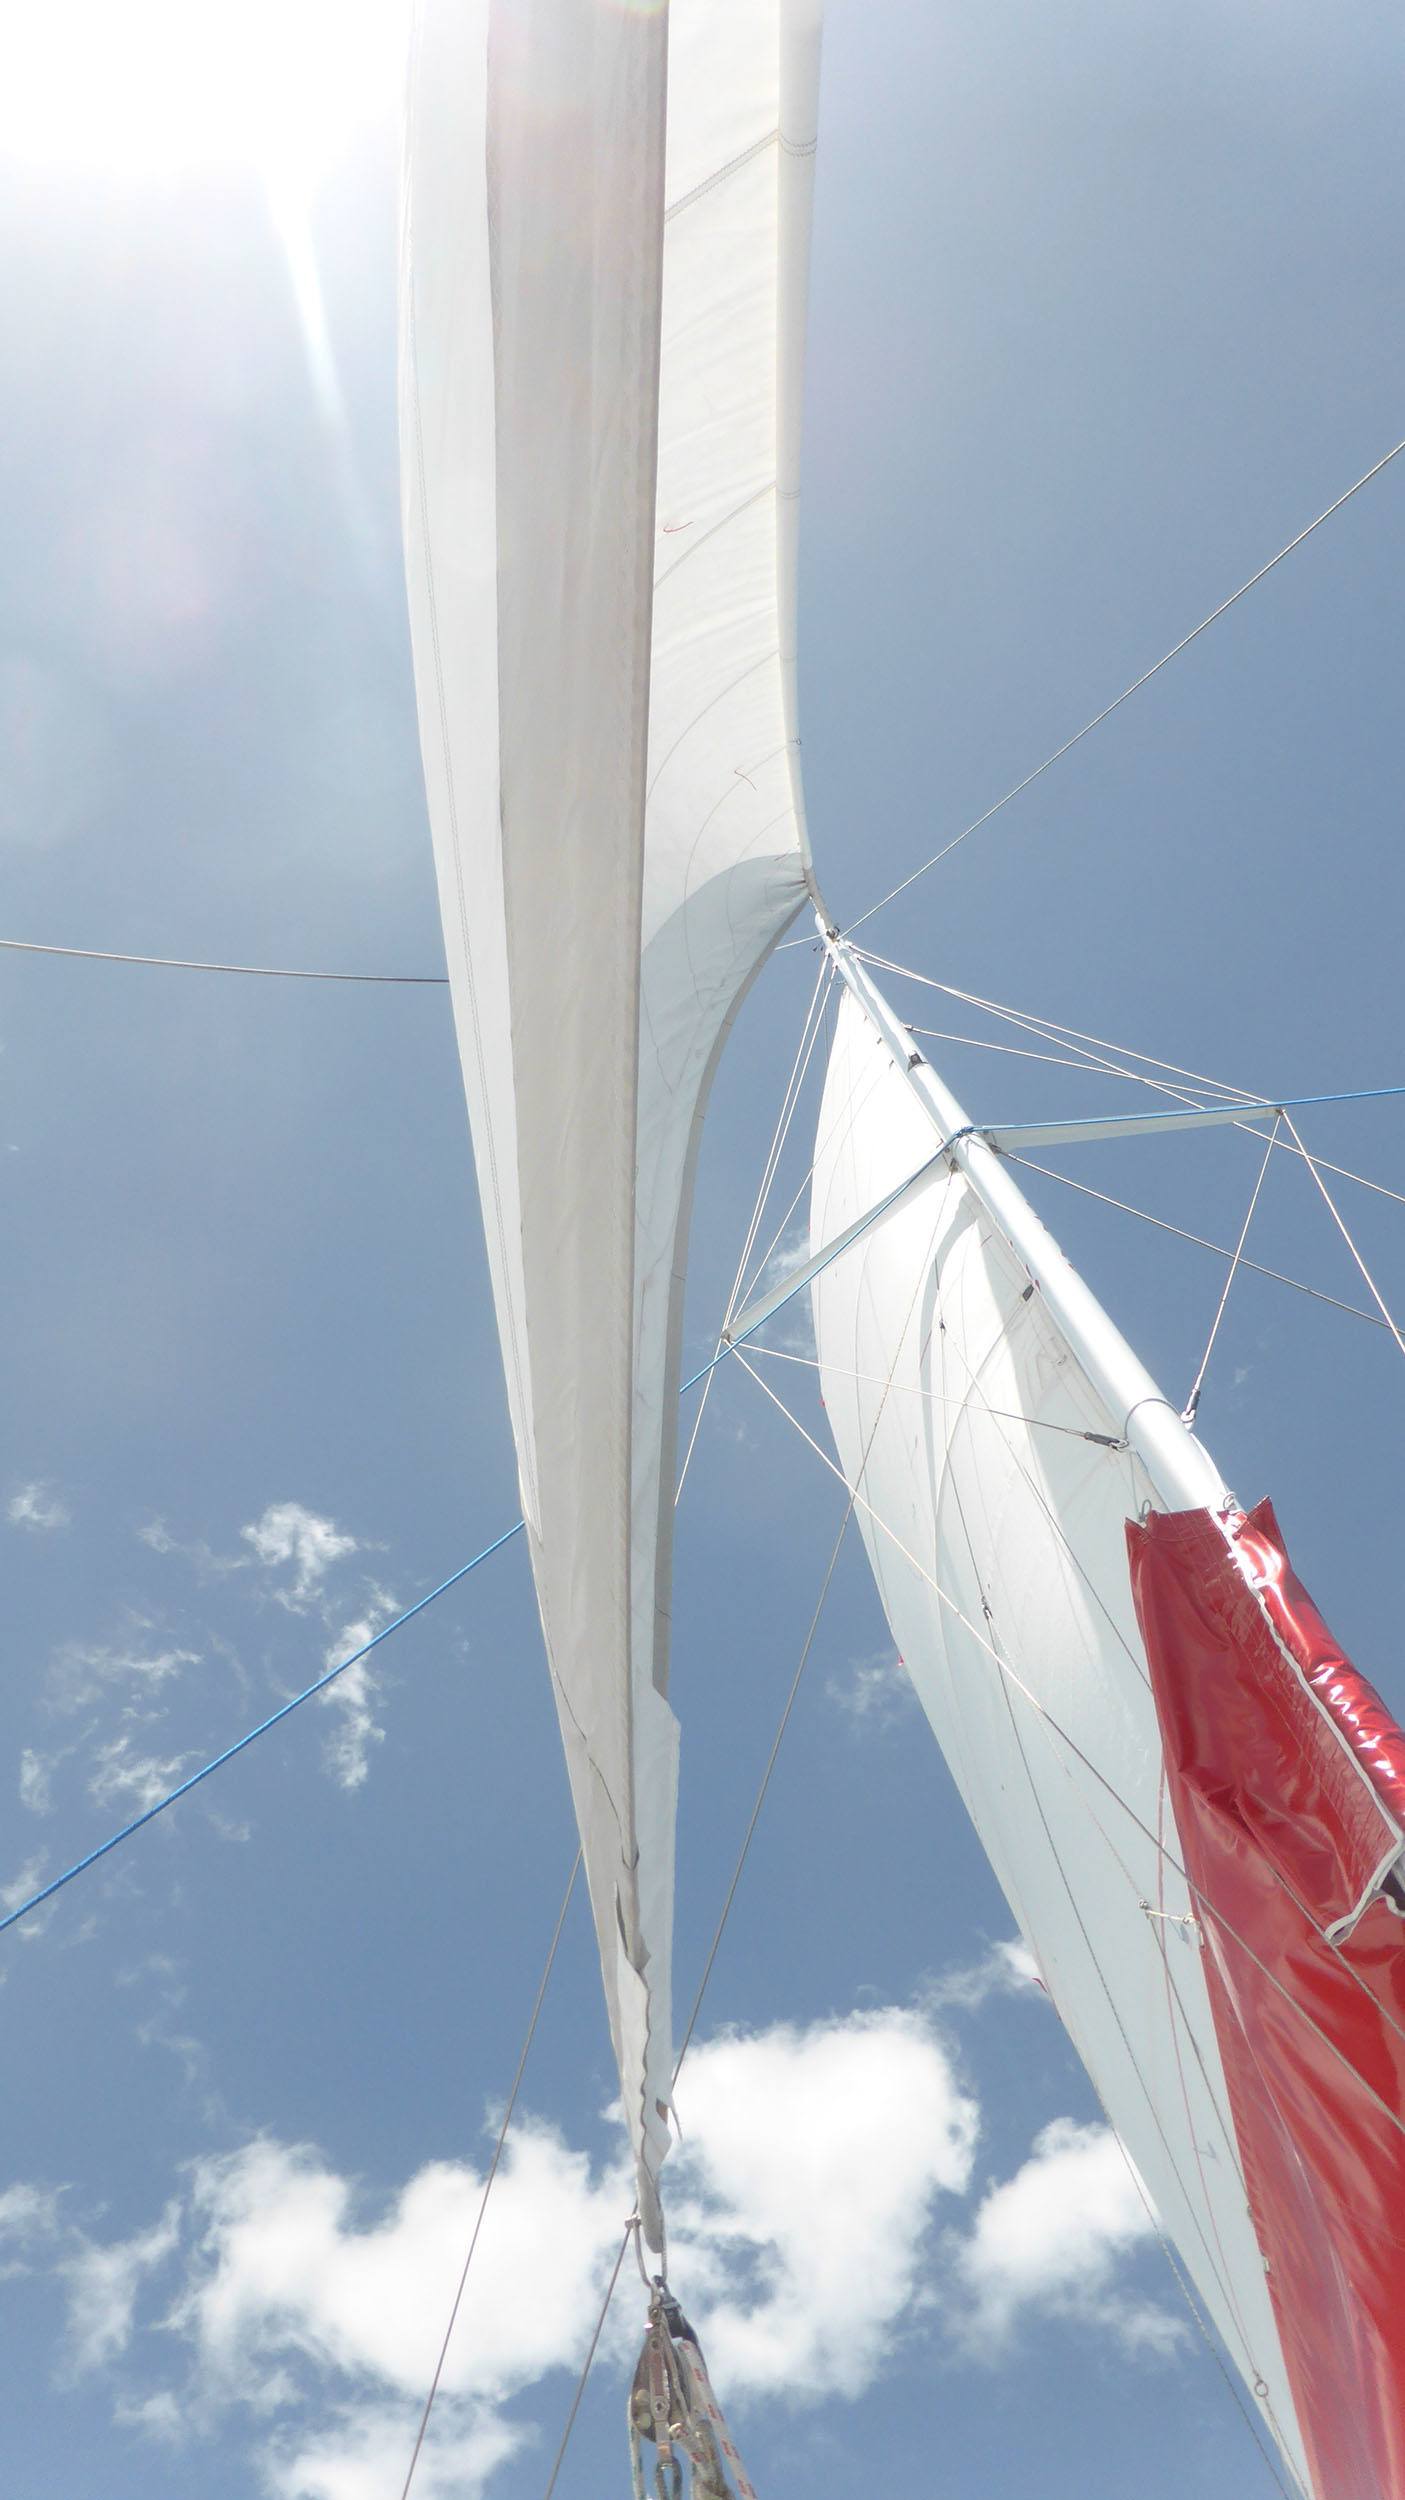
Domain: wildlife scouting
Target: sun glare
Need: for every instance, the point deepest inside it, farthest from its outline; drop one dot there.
(154, 88)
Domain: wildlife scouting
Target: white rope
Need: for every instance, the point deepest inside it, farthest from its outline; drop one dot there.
(1128, 691)
(457, 2302)
(789, 1102)
(258, 972)
(1192, 1404)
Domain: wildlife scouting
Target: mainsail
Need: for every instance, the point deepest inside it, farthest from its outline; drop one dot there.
(604, 259)
(1192, 1803)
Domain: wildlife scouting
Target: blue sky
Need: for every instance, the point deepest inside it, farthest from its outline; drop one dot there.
(1104, 310)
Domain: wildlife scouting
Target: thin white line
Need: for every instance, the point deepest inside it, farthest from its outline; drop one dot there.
(1128, 691)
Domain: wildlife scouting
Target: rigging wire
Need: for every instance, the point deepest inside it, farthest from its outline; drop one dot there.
(1214, 2259)
(1234, 2388)
(731, 1894)
(713, 1949)
(1341, 1225)
(1045, 1028)
(1192, 1405)
(587, 2365)
(1128, 691)
(526, 2051)
(1391, 2116)
(1048, 1026)
(258, 972)
(1162, 1223)
(809, 1035)
(933, 1397)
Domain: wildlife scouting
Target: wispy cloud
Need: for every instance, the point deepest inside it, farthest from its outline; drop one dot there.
(793, 1328)
(1008, 1968)
(36, 1782)
(103, 2283)
(123, 1778)
(354, 1695)
(20, 1887)
(86, 1672)
(29, 2219)
(289, 1535)
(38, 1508)
(875, 1692)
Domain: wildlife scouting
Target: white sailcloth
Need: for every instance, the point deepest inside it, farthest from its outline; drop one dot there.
(603, 272)
(977, 1439)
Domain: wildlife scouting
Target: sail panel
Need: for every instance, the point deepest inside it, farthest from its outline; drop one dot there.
(726, 859)
(1284, 1770)
(989, 1469)
(603, 270)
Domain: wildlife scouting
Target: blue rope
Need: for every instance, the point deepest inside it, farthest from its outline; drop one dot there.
(1248, 1109)
(81, 1865)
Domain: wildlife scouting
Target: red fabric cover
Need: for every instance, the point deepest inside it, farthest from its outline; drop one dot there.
(1287, 1781)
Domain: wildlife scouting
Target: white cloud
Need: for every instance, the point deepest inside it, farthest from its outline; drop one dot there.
(103, 2283)
(28, 2215)
(1054, 2235)
(877, 1692)
(83, 1674)
(36, 1781)
(207, 1564)
(122, 1778)
(792, 1330)
(285, 2270)
(287, 1533)
(805, 2152)
(318, 2317)
(354, 1694)
(364, 2454)
(27, 1881)
(1008, 1968)
(38, 1508)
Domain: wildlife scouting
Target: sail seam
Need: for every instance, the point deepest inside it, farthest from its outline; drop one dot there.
(724, 173)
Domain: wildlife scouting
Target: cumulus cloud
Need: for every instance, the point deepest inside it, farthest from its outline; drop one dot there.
(289, 1534)
(363, 2454)
(38, 1508)
(803, 2152)
(316, 2313)
(1054, 2236)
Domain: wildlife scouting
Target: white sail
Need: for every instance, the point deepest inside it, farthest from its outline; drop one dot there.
(999, 1434)
(603, 272)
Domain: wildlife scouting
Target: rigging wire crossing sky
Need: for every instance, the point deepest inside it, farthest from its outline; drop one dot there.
(1099, 312)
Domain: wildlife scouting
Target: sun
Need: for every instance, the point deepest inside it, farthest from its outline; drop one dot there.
(151, 89)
